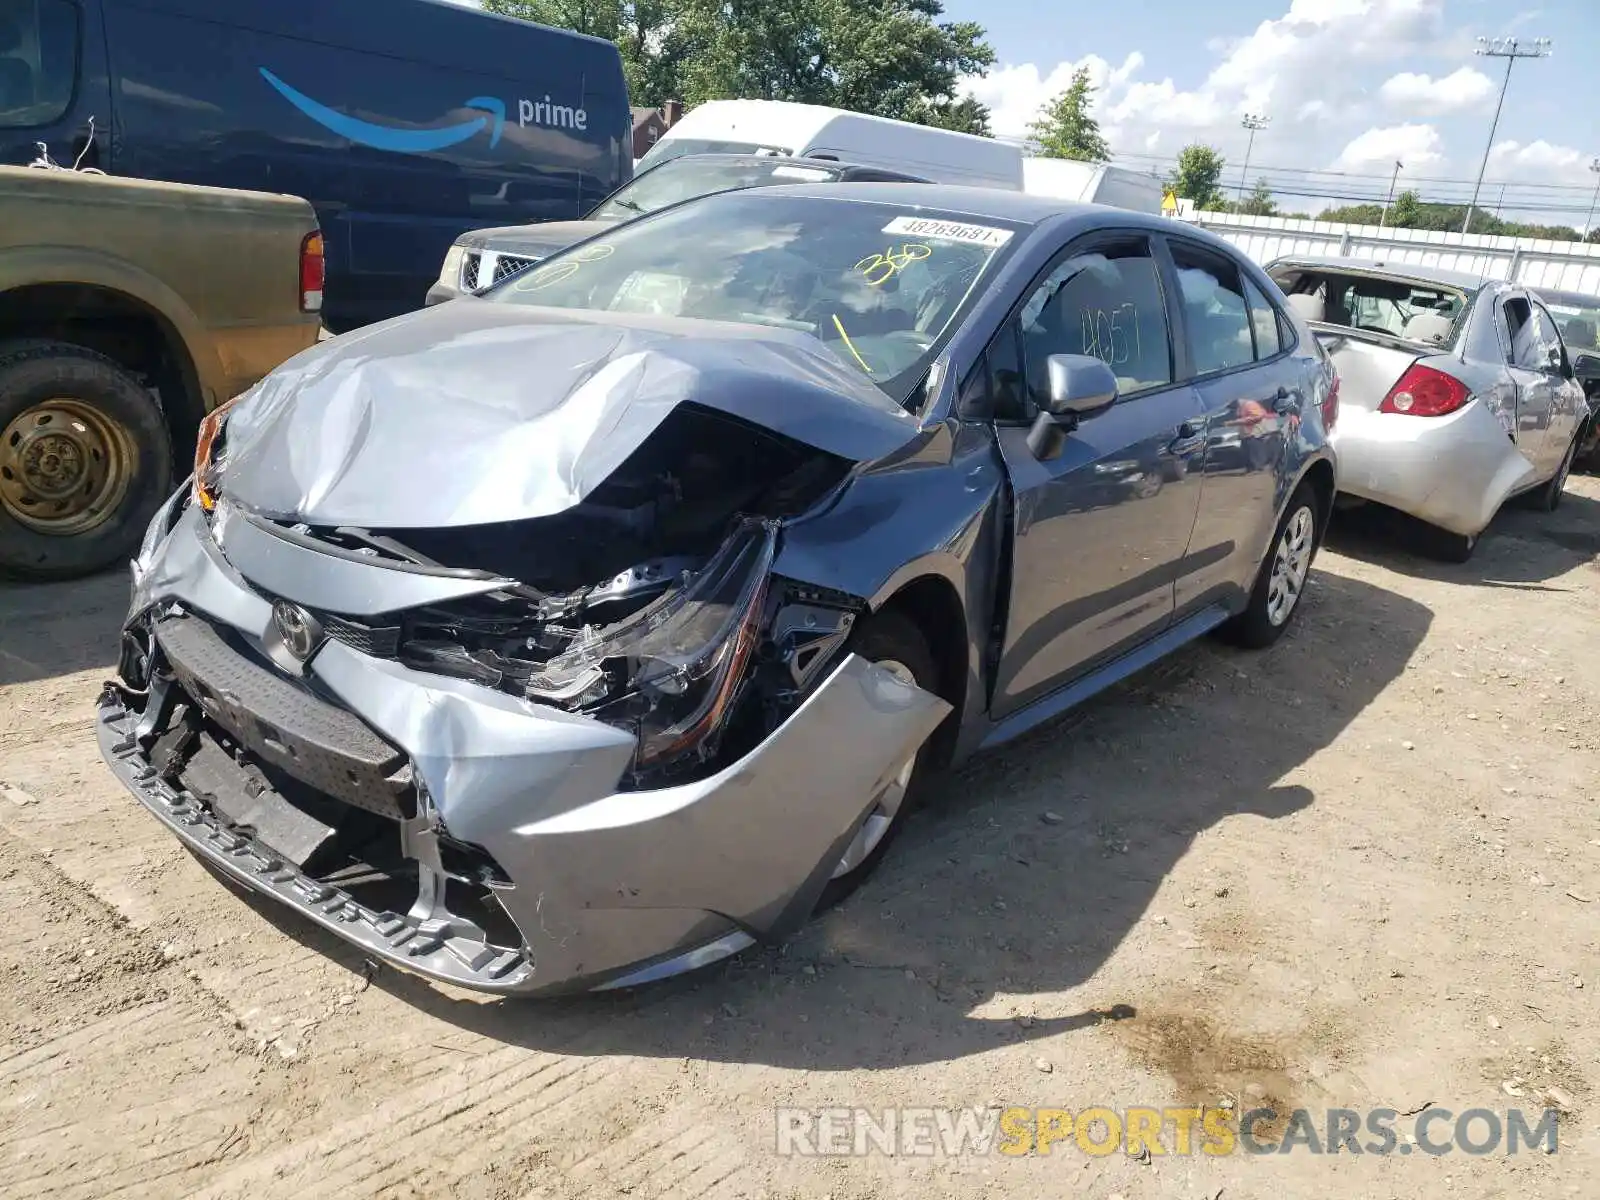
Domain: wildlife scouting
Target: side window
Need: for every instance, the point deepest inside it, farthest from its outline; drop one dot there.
(1264, 321)
(1552, 354)
(38, 61)
(1213, 303)
(1007, 387)
(1522, 334)
(1106, 303)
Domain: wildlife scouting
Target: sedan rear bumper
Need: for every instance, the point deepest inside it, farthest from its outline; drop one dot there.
(1453, 471)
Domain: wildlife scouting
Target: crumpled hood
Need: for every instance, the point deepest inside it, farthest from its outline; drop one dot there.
(535, 241)
(468, 414)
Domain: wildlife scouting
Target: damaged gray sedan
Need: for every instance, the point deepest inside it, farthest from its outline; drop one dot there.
(590, 631)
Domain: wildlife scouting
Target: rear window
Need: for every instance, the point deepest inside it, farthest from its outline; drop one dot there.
(1396, 307)
(38, 61)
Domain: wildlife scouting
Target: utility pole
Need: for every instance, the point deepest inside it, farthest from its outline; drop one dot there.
(1252, 122)
(1509, 49)
(1594, 165)
(1384, 216)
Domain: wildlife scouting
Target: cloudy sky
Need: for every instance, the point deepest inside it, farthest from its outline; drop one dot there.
(1350, 86)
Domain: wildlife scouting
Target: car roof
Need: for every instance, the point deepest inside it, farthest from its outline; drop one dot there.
(781, 160)
(1412, 272)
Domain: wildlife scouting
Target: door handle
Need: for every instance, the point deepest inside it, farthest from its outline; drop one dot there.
(1189, 440)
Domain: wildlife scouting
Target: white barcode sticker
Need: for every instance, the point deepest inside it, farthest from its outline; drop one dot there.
(949, 231)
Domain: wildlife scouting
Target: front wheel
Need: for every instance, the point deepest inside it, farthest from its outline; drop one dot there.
(1281, 581)
(897, 645)
(85, 461)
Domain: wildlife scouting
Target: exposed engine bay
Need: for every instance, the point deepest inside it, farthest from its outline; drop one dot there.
(649, 605)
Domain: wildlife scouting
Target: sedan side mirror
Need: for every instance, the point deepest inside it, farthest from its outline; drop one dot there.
(1081, 387)
(1586, 367)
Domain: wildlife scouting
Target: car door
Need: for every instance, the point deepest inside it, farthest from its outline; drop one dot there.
(1536, 388)
(1099, 528)
(52, 81)
(1567, 404)
(1252, 391)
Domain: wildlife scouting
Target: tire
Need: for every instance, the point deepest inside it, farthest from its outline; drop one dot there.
(1450, 547)
(1294, 546)
(1548, 498)
(117, 434)
(889, 637)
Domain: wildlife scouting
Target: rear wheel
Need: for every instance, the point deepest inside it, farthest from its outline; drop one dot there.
(1451, 547)
(85, 461)
(1281, 581)
(896, 644)
(1548, 498)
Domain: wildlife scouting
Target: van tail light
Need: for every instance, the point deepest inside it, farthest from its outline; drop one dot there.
(313, 272)
(1425, 392)
(1330, 405)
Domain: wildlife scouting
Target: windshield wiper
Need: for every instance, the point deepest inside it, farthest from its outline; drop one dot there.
(628, 204)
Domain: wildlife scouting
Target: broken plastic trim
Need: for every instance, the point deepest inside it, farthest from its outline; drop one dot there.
(686, 654)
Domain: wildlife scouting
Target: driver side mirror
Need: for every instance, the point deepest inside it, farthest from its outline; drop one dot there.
(1081, 387)
(1586, 368)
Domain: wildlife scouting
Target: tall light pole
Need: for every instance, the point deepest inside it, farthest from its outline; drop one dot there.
(1509, 49)
(1384, 216)
(1252, 122)
(1588, 224)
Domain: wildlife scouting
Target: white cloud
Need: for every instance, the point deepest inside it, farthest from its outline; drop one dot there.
(1542, 160)
(1301, 68)
(1422, 95)
(1016, 94)
(1410, 144)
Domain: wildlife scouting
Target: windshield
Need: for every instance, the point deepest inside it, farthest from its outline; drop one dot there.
(677, 147)
(1579, 323)
(879, 284)
(685, 178)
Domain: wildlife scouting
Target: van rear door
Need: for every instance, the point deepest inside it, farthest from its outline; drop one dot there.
(52, 81)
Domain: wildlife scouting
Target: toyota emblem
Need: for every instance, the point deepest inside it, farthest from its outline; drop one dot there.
(297, 629)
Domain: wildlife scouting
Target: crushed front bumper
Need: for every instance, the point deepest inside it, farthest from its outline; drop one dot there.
(602, 887)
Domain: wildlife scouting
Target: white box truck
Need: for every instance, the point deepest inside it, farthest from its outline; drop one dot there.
(813, 131)
(1092, 183)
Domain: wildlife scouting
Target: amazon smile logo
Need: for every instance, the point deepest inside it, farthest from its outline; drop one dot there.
(400, 140)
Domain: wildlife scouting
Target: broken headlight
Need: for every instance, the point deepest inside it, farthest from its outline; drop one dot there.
(672, 671)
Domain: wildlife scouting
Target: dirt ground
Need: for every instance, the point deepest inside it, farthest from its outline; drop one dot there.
(1360, 870)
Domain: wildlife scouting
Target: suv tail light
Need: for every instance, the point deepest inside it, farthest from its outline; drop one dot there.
(313, 271)
(1425, 392)
(1330, 405)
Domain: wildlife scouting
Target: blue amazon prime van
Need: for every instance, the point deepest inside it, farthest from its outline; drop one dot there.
(405, 122)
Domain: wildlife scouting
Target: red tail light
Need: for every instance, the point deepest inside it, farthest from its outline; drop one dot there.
(313, 272)
(1330, 405)
(1425, 392)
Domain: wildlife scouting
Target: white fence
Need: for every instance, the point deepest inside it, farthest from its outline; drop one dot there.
(1561, 266)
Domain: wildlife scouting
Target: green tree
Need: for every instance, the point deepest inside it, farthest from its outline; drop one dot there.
(1407, 210)
(1196, 175)
(645, 31)
(1259, 203)
(1064, 128)
(892, 58)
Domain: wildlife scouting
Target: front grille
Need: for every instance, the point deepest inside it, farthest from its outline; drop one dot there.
(325, 747)
(376, 641)
(510, 264)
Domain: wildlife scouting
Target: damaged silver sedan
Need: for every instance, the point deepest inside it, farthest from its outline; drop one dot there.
(595, 629)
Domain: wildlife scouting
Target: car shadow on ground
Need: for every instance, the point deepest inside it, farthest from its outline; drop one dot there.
(1025, 873)
(51, 629)
(1522, 548)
